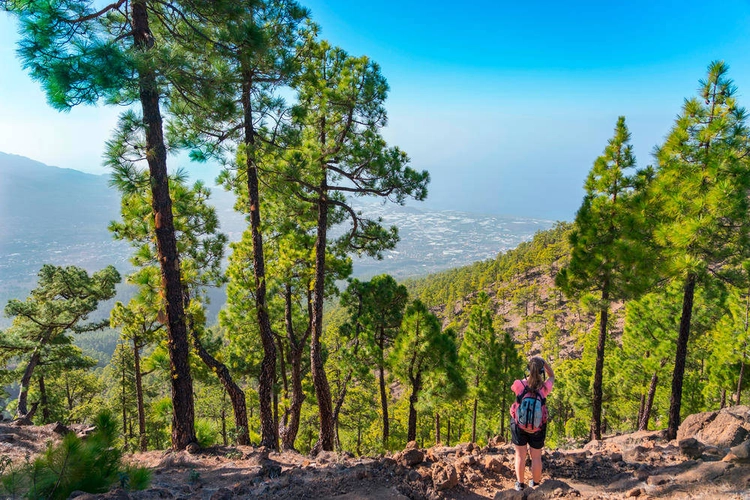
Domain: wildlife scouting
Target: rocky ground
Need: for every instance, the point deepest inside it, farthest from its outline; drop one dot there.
(710, 459)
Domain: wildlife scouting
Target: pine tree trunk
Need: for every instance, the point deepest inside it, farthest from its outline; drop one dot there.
(474, 422)
(23, 394)
(296, 349)
(646, 415)
(235, 392)
(448, 432)
(596, 403)
(411, 434)
(675, 401)
(320, 380)
(739, 382)
(437, 428)
(142, 436)
(183, 411)
(383, 400)
(412, 429)
(269, 437)
(723, 402)
(289, 433)
(43, 402)
(124, 408)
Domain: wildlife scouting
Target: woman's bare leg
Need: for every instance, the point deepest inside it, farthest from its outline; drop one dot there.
(536, 464)
(521, 462)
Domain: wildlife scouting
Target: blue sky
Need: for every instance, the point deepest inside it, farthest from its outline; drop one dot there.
(506, 104)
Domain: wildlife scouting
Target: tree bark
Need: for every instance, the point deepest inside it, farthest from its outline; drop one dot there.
(675, 401)
(596, 403)
(437, 428)
(413, 400)
(739, 382)
(235, 392)
(320, 380)
(296, 349)
(23, 394)
(183, 411)
(383, 399)
(448, 432)
(43, 402)
(142, 436)
(269, 437)
(474, 422)
(646, 415)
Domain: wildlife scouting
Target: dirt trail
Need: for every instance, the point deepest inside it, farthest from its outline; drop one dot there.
(638, 465)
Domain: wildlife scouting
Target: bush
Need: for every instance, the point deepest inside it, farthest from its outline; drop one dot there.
(92, 465)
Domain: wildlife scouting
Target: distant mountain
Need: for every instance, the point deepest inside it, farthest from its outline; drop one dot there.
(60, 216)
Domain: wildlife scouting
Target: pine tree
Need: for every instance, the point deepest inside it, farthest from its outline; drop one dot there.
(63, 298)
(701, 187)
(378, 305)
(476, 353)
(422, 349)
(240, 119)
(341, 153)
(83, 54)
(608, 252)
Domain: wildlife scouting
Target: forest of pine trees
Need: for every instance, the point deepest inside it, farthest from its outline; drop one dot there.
(641, 304)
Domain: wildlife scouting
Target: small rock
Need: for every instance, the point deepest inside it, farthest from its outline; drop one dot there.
(193, 448)
(641, 474)
(657, 480)
(59, 428)
(635, 492)
(510, 495)
(492, 464)
(222, 494)
(444, 477)
(616, 457)
(691, 448)
(411, 445)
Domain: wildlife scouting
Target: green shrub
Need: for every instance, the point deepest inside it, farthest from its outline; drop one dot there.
(92, 465)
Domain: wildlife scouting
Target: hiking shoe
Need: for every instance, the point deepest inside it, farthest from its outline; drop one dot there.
(519, 486)
(533, 483)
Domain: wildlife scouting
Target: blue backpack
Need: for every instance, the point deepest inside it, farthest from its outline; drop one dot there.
(530, 411)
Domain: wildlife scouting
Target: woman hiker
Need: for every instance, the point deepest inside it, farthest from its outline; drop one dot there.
(528, 423)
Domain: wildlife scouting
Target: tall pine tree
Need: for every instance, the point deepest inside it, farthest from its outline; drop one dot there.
(608, 257)
(701, 187)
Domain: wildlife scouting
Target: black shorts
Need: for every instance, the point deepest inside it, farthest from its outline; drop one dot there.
(520, 437)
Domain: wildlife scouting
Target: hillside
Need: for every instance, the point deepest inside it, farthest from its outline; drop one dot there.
(520, 284)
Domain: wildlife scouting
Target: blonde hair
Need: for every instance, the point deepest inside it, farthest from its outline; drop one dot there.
(536, 373)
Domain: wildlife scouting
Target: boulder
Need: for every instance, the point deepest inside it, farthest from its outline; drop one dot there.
(739, 453)
(724, 428)
(411, 457)
(444, 476)
(635, 492)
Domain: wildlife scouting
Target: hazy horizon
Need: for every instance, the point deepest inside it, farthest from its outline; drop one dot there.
(506, 105)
